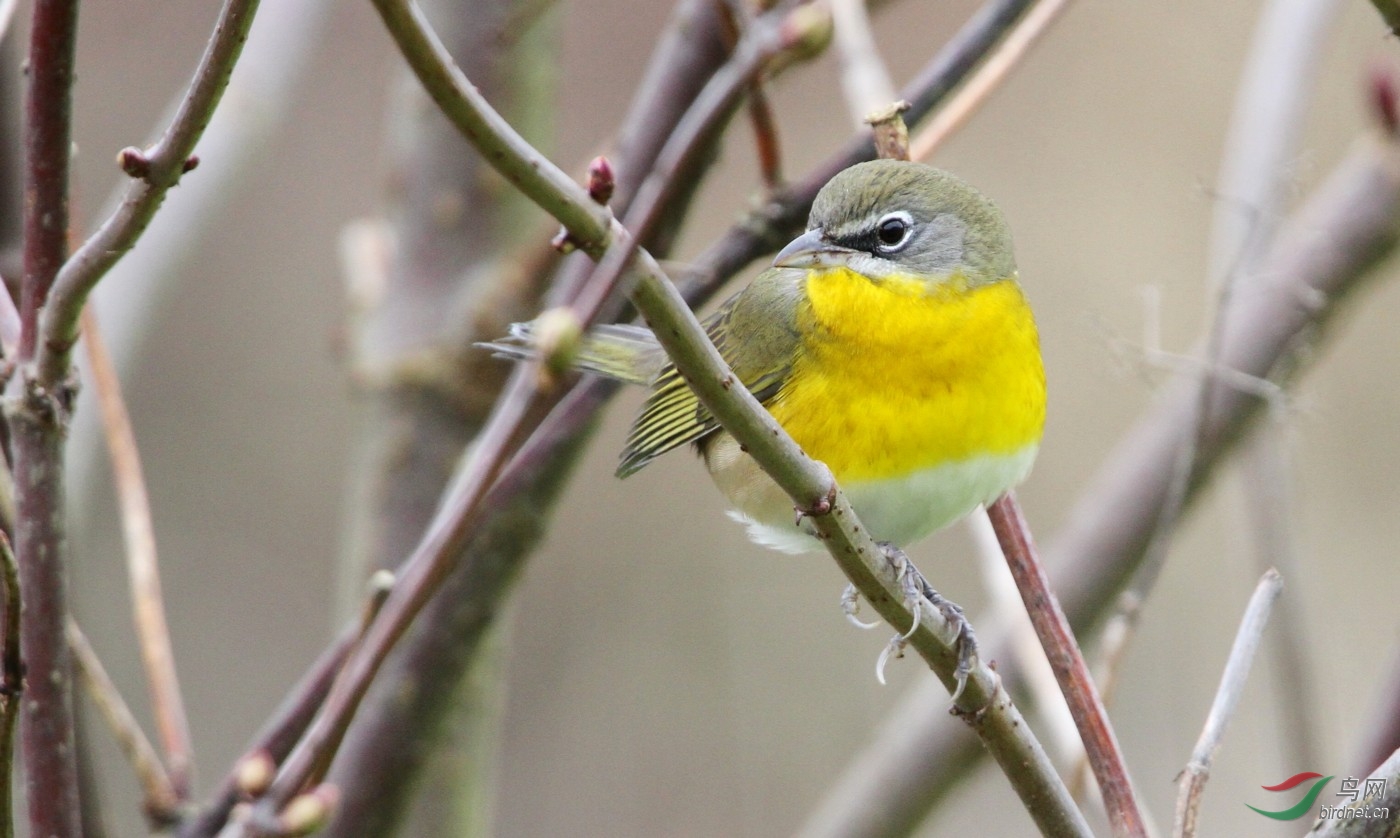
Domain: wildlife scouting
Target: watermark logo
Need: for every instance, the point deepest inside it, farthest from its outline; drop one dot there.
(1351, 788)
(1302, 807)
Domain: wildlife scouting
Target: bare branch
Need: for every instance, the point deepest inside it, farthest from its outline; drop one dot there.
(1227, 697)
(37, 414)
(989, 77)
(143, 569)
(159, 799)
(1051, 626)
(154, 171)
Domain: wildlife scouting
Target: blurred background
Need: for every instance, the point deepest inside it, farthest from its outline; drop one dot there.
(665, 676)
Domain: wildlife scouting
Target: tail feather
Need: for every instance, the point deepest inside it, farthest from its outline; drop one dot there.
(626, 353)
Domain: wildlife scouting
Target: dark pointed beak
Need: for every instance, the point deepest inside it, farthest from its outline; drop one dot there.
(810, 250)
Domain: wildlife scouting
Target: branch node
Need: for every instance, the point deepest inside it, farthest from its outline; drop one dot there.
(819, 507)
(191, 163)
(134, 162)
(563, 241)
(891, 134)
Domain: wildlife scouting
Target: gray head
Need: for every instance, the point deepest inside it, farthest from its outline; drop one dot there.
(894, 216)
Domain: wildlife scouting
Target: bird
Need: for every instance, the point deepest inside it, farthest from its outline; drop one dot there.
(892, 340)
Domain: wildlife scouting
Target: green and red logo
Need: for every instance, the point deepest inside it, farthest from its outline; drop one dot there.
(1302, 807)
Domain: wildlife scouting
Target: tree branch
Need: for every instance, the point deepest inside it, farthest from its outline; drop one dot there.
(153, 171)
(1227, 697)
(143, 570)
(36, 416)
(1062, 650)
(159, 798)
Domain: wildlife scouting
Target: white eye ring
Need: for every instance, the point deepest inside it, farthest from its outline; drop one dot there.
(896, 224)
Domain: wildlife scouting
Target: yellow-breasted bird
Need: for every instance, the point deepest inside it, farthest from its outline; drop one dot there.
(891, 340)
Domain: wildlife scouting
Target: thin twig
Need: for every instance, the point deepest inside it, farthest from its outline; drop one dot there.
(765, 125)
(143, 569)
(989, 76)
(11, 682)
(1072, 673)
(37, 412)
(153, 171)
(159, 799)
(1227, 696)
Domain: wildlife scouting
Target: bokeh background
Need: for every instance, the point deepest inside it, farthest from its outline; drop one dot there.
(666, 677)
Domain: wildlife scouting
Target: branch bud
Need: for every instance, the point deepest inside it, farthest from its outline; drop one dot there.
(600, 180)
(558, 333)
(309, 812)
(254, 773)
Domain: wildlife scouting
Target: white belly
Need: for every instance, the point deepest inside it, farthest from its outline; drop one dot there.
(899, 510)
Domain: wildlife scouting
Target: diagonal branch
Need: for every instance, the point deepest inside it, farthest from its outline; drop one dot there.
(154, 171)
(1227, 697)
(159, 798)
(1062, 650)
(143, 570)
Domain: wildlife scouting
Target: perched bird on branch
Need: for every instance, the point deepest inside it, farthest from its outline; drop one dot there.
(891, 340)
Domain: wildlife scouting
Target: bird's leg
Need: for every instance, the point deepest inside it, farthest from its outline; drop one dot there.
(917, 591)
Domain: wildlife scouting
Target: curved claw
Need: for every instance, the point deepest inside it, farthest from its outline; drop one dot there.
(894, 648)
(850, 606)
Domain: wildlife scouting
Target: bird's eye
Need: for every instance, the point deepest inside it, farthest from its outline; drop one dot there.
(893, 231)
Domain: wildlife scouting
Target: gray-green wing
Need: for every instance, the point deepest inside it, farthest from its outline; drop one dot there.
(756, 332)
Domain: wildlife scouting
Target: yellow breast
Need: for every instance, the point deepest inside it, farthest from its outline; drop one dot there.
(899, 377)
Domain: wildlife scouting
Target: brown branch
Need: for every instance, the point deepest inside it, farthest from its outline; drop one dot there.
(36, 416)
(1061, 649)
(153, 171)
(143, 570)
(158, 796)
